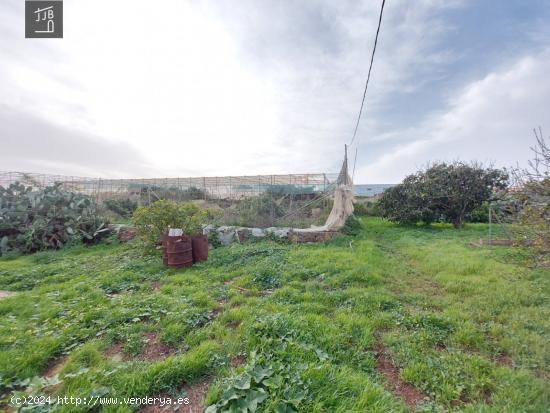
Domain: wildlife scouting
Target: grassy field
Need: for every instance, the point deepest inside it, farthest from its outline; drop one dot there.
(394, 320)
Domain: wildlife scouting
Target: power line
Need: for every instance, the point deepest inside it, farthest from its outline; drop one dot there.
(354, 162)
(370, 68)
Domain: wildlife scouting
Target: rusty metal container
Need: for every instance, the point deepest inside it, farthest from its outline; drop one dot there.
(178, 251)
(163, 241)
(200, 248)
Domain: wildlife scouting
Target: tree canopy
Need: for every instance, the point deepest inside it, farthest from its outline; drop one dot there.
(443, 192)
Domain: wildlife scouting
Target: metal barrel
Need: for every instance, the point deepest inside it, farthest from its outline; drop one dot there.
(178, 252)
(200, 248)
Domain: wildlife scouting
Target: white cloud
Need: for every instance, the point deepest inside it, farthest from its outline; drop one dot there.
(210, 88)
(164, 79)
(490, 120)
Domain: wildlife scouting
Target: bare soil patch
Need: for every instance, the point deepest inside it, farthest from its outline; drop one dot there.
(55, 366)
(385, 365)
(234, 324)
(238, 360)
(115, 352)
(153, 350)
(504, 360)
(195, 393)
(215, 313)
(6, 294)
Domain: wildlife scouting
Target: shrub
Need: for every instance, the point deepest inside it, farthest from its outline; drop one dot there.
(259, 210)
(532, 192)
(123, 207)
(359, 209)
(214, 238)
(153, 220)
(194, 193)
(36, 219)
(352, 227)
(443, 192)
(151, 193)
(480, 214)
(366, 209)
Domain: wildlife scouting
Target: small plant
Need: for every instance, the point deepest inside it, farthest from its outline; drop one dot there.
(194, 193)
(123, 207)
(259, 211)
(154, 220)
(360, 209)
(214, 238)
(267, 279)
(352, 227)
(267, 380)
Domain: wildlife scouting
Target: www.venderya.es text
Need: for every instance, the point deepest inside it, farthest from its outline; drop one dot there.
(97, 401)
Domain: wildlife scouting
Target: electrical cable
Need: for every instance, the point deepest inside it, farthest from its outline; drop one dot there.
(368, 76)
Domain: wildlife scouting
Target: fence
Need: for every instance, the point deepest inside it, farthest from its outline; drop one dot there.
(227, 187)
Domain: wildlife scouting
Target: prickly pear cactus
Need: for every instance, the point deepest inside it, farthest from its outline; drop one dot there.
(35, 219)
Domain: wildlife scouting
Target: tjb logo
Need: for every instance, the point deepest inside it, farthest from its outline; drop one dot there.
(43, 18)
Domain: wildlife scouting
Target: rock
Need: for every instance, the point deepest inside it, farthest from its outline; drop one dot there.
(226, 235)
(277, 231)
(229, 234)
(243, 234)
(208, 228)
(258, 232)
(124, 232)
(310, 236)
(282, 233)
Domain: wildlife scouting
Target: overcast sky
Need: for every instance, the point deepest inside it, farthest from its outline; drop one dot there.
(191, 88)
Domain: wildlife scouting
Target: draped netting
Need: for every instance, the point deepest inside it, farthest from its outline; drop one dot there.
(343, 202)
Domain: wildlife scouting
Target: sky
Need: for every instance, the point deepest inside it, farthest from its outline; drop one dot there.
(176, 88)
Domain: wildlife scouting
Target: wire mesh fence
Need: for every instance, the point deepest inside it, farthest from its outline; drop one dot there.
(259, 200)
(225, 187)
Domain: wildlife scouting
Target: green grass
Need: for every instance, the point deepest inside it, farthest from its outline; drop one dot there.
(307, 318)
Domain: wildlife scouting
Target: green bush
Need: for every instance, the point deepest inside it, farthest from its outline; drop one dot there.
(366, 209)
(480, 214)
(194, 193)
(153, 220)
(214, 238)
(443, 192)
(352, 227)
(151, 193)
(123, 207)
(359, 209)
(36, 219)
(259, 211)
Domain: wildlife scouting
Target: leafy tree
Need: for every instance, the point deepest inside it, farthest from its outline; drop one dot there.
(443, 192)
